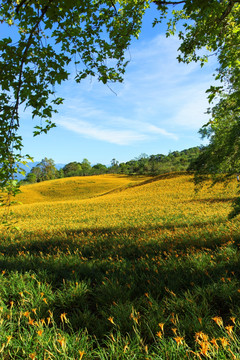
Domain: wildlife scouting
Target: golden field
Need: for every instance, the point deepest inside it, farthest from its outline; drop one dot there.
(118, 267)
(115, 201)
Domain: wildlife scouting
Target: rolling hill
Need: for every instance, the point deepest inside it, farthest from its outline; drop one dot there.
(119, 267)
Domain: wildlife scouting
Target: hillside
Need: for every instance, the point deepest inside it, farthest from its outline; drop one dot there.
(115, 267)
(74, 188)
(97, 201)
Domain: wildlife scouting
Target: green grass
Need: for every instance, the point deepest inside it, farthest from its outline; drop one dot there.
(94, 278)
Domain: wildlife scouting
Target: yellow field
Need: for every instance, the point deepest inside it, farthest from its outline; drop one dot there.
(74, 188)
(122, 264)
(117, 202)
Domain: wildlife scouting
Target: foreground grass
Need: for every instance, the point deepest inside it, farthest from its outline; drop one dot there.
(150, 272)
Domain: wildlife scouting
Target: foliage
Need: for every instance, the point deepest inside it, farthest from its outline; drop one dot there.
(45, 170)
(99, 169)
(215, 26)
(72, 169)
(143, 165)
(159, 164)
(116, 276)
(44, 37)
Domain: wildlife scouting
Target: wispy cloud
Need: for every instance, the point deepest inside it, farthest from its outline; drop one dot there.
(158, 97)
(119, 137)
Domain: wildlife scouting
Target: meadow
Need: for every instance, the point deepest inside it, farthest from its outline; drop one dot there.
(119, 267)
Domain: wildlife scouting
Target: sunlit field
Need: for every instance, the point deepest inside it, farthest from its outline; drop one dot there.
(118, 267)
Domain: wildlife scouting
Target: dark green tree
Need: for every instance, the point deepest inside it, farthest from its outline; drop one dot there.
(31, 178)
(36, 171)
(86, 167)
(99, 169)
(72, 169)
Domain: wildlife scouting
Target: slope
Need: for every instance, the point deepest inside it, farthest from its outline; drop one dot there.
(74, 188)
(165, 202)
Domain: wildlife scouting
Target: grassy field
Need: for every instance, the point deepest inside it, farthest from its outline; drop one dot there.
(117, 267)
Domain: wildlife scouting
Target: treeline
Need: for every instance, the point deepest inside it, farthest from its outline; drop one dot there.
(157, 164)
(143, 165)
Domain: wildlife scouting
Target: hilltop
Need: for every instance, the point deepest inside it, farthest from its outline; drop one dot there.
(75, 188)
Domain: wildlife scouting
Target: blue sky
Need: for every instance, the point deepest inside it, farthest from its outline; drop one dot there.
(158, 108)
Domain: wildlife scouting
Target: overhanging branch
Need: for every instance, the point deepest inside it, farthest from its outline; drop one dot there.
(228, 9)
(162, 2)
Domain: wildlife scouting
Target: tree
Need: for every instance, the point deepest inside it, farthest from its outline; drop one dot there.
(36, 171)
(51, 34)
(99, 169)
(216, 27)
(72, 169)
(114, 166)
(31, 178)
(45, 170)
(48, 35)
(60, 174)
(86, 167)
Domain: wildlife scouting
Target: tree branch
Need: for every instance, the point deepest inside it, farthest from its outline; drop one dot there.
(29, 42)
(163, 2)
(228, 9)
(20, 5)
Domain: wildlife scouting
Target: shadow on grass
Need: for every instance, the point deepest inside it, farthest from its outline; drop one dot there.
(122, 269)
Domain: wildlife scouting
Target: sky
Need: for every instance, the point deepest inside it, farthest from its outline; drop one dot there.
(158, 108)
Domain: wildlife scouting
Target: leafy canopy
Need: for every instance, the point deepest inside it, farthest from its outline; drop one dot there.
(94, 34)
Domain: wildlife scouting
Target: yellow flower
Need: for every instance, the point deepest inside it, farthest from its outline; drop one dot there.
(32, 356)
(62, 342)
(179, 340)
(159, 334)
(63, 317)
(42, 321)
(229, 328)
(112, 337)
(111, 320)
(81, 353)
(214, 342)
(161, 325)
(224, 342)
(218, 320)
(201, 336)
(30, 321)
(8, 339)
(204, 348)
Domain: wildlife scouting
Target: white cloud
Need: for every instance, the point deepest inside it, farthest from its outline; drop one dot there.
(118, 137)
(158, 98)
(131, 133)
